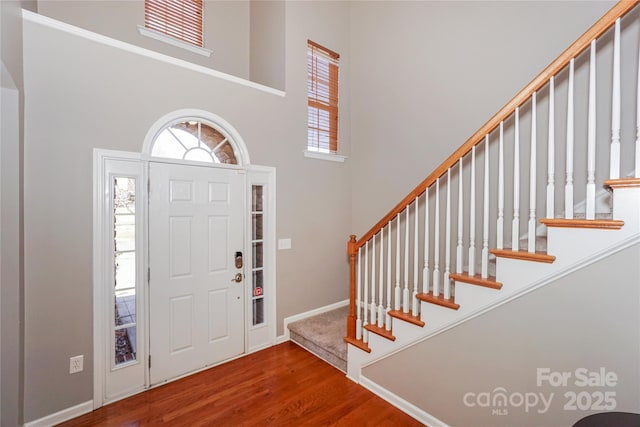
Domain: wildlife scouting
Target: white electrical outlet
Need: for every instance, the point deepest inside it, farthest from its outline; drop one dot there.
(76, 364)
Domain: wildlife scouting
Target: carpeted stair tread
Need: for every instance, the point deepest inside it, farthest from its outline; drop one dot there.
(323, 335)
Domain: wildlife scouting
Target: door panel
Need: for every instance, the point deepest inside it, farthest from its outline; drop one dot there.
(196, 217)
(181, 321)
(180, 246)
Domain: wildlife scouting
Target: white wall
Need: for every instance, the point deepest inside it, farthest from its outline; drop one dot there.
(80, 95)
(429, 74)
(569, 324)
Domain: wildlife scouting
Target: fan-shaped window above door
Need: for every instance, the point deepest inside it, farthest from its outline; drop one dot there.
(195, 140)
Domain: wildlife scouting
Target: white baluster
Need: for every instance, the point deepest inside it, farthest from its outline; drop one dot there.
(472, 215)
(533, 167)
(637, 165)
(425, 270)
(515, 226)
(388, 316)
(414, 299)
(551, 152)
(447, 240)
(405, 291)
(591, 137)
(396, 299)
(459, 247)
(568, 188)
(484, 272)
(500, 221)
(381, 282)
(365, 333)
(614, 168)
(359, 296)
(436, 243)
(374, 306)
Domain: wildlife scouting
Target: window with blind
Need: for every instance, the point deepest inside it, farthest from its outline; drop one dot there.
(180, 19)
(322, 93)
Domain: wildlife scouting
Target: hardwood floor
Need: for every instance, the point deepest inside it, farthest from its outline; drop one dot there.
(280, 386)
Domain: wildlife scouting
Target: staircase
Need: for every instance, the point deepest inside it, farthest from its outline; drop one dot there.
(512, 209)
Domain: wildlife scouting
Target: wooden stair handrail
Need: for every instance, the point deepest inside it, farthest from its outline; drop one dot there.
(603, 24)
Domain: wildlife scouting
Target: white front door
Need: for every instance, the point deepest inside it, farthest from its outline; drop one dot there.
(196, 217)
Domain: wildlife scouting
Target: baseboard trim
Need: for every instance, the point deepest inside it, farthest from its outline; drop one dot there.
(397, 401)
(62, 416)
(314, 312)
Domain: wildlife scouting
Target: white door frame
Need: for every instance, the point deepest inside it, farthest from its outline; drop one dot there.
(256, 338)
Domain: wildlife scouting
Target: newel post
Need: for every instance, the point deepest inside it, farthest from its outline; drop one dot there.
(351, 319)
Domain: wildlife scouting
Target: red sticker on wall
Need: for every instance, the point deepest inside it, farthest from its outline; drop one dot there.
(257, 292)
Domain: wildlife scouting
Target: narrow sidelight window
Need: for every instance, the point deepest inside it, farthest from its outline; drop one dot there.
(124, 268)
(257, 243)
(322, 94)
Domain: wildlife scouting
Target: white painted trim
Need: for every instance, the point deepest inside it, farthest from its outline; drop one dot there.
(157, 35)
(266, 176)
(405, 406)
(324, 156)
(101, 364)
(603, 253)
(307, 314)
(191, 113)
(62, 416)
(98, 256)
(108, 41)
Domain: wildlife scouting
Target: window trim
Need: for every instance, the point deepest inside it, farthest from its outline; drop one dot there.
(334, 157)
(157, 35)
(174, 15)
(331, 58)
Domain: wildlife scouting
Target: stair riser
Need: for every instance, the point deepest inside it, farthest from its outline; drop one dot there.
(571, 244)
(475, 296)
(510, 271)
(626, 206)
(325, 355)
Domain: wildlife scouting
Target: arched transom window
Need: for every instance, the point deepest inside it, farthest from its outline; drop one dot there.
(195, 140)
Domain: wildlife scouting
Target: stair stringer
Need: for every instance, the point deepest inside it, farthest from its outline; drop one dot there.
(573, 248)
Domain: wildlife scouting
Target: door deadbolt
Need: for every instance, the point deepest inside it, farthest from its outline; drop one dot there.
(238, 259)
(237, 278)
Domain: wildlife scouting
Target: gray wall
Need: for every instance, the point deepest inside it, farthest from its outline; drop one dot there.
(11, 267)
(81, 95)
(267, 55)
(429, 74)
(588, 319)
(225, 28)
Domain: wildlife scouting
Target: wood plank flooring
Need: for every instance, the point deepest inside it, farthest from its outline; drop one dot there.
(281, 386)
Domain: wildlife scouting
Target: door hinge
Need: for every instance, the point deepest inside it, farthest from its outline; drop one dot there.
(149, 361)
(148, 185)
(149, 275)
